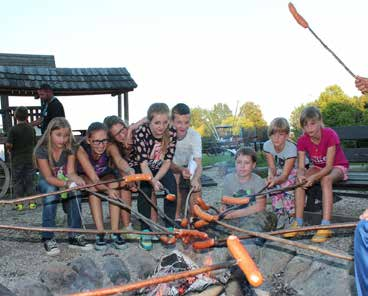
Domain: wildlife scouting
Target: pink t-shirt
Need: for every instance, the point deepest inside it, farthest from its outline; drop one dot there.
(318, 153)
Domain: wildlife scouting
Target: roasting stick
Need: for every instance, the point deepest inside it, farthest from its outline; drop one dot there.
(75, 230)
(213, 243)
(127, 179)
(301, 21)
(210, 218)
(121, 204)
(158, 210)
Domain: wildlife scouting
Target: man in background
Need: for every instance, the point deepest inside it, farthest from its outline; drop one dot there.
(50, 107)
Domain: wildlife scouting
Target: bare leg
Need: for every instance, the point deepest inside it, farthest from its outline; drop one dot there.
(154, 215)
(327, 194)
(126, 196)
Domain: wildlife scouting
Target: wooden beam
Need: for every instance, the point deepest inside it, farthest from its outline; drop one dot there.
(5, 114)
(119, 105)
(126, 107)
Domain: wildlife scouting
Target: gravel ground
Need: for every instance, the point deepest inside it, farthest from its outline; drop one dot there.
(22, 254)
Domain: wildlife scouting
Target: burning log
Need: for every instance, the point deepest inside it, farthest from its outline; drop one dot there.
(126, 179)
(156, 281)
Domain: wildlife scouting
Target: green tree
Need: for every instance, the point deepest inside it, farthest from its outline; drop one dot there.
(250, 115)
(219, 113)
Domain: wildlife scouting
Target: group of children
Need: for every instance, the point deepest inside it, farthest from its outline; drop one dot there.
(111, 149)
(316, 157)
(163, 147)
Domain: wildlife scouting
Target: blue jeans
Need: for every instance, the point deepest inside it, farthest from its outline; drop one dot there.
(71, 205)
(361, 257)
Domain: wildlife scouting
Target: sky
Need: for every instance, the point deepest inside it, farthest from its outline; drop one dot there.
(199, 52)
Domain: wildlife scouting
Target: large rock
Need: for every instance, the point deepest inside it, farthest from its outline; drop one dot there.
(323, 279)
(144, 264)
(87, 269)
(296, 266)
(116, 270)
(274, 258)
(29, 287)
(4, 291)
(62, 279)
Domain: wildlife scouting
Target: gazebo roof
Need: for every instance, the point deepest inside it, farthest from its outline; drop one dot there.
(25, 80)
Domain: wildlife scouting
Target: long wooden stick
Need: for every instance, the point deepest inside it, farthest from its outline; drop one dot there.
(260, 193)
(155, 281)
(302, 229)
(121, 204)
(286, 242)
(42, 195)
(75, 230)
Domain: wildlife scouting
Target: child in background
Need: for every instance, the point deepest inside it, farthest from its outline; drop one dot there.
(188, 150)
(20, 144)
(95, 157)
(244, 182)
(55, 158)
(329, 165)
(281, 159)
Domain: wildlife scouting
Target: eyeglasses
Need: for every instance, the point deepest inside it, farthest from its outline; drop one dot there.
(98, 142)
(120, 131)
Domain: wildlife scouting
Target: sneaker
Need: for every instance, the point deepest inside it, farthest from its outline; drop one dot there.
(294, 225)
(100, 244)
(51, 247)
(321, 236)
(117, 242)
(19, 207)
(146, 242)
(79, 242)
(130, 236)
(32, 205)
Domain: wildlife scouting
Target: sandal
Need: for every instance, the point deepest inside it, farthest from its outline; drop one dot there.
(145, 242)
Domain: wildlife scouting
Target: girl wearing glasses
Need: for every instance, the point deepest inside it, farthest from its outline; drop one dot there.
(95, 156)
(122, 137)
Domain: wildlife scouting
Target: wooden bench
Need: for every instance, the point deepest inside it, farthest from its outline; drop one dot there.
(355, 145)
(354, 141)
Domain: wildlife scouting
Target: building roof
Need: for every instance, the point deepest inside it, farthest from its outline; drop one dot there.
(25, 80)
(30, 60)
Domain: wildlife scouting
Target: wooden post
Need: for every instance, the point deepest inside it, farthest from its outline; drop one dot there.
(5, 113)
(119, 105)
(126, 108)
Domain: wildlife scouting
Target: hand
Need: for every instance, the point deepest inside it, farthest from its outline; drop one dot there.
(364, 216)
(79, 181)
(270, 181)
(156, 184)
(113, 194)
(186, 174)
(310, 181)
(362, 84)
(73, 185)
(196, 185)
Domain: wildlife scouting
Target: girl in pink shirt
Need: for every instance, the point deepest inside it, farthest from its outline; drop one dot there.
(329, 165)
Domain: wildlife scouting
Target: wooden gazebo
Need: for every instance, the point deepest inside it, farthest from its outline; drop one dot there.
(21, 75)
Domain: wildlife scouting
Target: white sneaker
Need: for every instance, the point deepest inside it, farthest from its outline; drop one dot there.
(51, 247)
